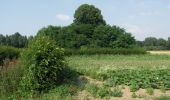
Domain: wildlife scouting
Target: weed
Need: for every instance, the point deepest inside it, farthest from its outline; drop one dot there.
(116, 92)
(103, 92)
(92, 89)
(150, 91)
(134, 95)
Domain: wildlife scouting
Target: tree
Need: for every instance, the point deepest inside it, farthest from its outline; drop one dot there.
(124, 41)
(168, 43)
(51, 31)
(88, 14)
(150, 41)
(2, 39)
(103, 36)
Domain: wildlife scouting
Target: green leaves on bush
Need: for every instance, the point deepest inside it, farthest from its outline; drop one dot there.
(7, 52)
(44, 65)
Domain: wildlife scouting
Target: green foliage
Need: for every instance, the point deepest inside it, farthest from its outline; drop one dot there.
(88, 14)
(7, 52)
(134, 95)
(150, 91)
(152, 43)
(103, 92)
(90, 30)
(9, 81)
(116, 92)
(162, 98)
(139, 78)
(93, 51)
(134, 86)
(44, 65)
(92, 89)
(15, 40)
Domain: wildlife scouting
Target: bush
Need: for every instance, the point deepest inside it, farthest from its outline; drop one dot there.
(44, 65)
(7, 52)
(92, 51)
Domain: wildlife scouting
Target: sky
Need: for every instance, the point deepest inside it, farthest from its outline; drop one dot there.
(143, 18)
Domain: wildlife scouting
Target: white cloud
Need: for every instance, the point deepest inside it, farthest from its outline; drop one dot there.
(63, 17)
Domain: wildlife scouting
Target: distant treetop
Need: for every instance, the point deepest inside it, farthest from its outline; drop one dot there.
(88, 14)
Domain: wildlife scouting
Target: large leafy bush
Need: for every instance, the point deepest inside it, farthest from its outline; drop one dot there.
(44, 64)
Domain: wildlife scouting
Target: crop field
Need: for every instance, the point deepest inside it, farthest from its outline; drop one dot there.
(138, 74)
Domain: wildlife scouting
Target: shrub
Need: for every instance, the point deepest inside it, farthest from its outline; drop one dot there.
(8, 52)
(44, 65)
(150, 91)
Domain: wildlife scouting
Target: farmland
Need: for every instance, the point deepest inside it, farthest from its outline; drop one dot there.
(88, 59)
(91, 85)
(96, 65)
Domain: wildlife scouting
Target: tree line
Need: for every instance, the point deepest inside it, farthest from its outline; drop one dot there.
(152, 43)
(15, 40)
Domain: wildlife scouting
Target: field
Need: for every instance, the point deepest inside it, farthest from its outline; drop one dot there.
(105, 77)
(95, 67)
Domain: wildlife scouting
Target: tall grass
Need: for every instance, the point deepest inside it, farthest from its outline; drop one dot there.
(9, 81)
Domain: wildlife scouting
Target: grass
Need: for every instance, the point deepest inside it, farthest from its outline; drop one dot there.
(94, 64)
(163, 98)
(110, 68)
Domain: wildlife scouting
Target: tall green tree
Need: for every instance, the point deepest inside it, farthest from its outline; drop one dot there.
(88, 14)
(168, 43)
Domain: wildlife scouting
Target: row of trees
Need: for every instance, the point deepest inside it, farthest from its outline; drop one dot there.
(152, 43)
(15, 40)
(89, 29)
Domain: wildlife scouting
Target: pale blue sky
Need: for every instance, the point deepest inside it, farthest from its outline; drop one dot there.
(143, 18)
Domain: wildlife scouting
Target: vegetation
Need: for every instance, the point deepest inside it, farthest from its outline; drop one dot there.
(152, 43)
(125, 70)
(89, 30)
(15, 40)
(94, 51)
(9, 81)
(162, 98)
(7, 52)
(88, 14)
(116, 92)
(44, 65)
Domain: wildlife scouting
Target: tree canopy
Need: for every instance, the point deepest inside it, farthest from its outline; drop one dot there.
(88, 14)
(89, 29)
